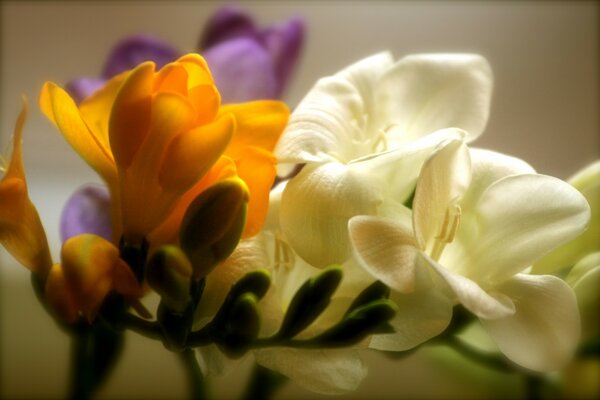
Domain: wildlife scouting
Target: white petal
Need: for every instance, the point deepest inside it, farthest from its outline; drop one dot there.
(426, 92)
(584, 278)
(544, 331)
(386, 249)
(484, 304)
(398, 169)
(421, 315)
(316, 206)
(327, 121)
(332, 371)
(213, 362)
(520, 219)
(587, 182)
(444, 178)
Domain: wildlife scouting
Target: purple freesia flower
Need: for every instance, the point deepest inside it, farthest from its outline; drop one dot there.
(268, 55)
(247, 63)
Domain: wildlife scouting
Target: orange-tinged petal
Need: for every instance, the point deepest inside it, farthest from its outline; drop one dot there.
(58, 295)
(95, 109)
(144, 204)
(167, 232)
(21, 231)
(59, 108)
(206, 99)
(257, 169)
(197, 68)
(92, 267)
(172, 78)
(259, 124)
(130, 115)
(191, 154)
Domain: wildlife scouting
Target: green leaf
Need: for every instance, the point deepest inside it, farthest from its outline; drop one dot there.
(309, 302)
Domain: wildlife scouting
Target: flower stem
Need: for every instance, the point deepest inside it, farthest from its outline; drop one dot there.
(194, 374)
(263, 383)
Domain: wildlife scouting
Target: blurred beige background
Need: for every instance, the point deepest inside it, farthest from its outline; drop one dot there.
(545, 110)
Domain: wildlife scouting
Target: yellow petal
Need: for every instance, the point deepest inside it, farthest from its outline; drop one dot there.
(59, 108)
(21, 231)
(197, 69)
(130, 115)
(92, 267)
(172, 78)
(258, 124)
(257, 169)
(191, 154)
(206, 99)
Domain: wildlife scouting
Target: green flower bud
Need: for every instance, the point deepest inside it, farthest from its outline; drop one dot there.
(213, 225)
(169, 272)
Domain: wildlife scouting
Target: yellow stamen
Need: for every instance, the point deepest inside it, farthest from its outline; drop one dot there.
(448, 230)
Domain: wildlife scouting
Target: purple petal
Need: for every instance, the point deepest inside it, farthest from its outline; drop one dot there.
(81, 88)
(243, 70)
(229, 22)
(134, 50)
(284, 43)
(87, 211)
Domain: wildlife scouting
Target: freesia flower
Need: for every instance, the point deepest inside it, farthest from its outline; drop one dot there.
(366, 130)
(90, 266)
(247, 62)
(479, 220)
(152, 136)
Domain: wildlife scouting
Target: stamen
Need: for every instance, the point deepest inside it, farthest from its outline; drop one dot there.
(284, 258)
(448, 230)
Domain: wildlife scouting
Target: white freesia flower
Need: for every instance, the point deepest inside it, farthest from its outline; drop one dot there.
(398, 111)
(479, 220)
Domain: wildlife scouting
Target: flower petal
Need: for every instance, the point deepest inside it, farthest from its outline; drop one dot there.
(422, 314)
(482, 303)
(423, 93)
(331, 371)
(21, 231)
(443, 180)
(316, 206)
(386, 249)
(258, 124)
(520, 219)
(88, 210)
(329, 124)
(227, 23)
(191, 154)
(130, 117)
(587, 182)
(60, 109)
(242, 70)
(134, 50)
(584, 278)
(284, 43)
(543, 333)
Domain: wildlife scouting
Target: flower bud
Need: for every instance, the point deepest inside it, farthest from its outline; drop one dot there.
(169, 272)
(213, 224)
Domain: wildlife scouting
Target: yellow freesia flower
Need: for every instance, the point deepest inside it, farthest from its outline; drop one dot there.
(21, 231)
(152, 136)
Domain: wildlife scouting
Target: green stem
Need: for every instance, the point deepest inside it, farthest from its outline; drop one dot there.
(82, 374)
(263, 384)
(194, 374)
(149, 329)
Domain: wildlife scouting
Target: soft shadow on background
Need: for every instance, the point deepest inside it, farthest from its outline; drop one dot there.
(545, 110)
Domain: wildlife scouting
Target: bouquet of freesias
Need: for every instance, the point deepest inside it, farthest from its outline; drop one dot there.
(362, 220)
